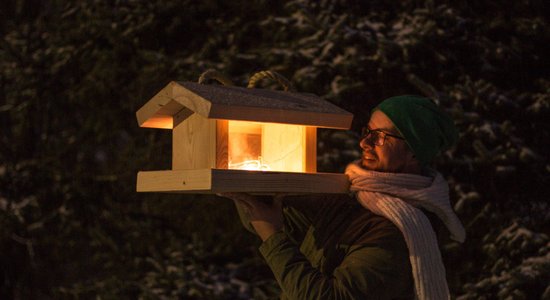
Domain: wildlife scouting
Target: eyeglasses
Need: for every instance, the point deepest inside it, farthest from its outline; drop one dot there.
(376, 136)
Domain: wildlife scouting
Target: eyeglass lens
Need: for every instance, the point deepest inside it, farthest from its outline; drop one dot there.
(374, 136)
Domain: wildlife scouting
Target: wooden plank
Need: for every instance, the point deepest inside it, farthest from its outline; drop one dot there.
(222, 152)
(159, 110)
(262, 98)
(174, 181)
(258, 114)
(194, 144)
(283, 147)
(153, 105)
(278, 182)
(264, 105)
(310, 152)
(191, 100)
(207, 181)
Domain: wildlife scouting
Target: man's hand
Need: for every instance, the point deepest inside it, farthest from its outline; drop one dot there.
(265, 218)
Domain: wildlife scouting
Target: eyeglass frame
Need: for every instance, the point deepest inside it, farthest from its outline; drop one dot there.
(366, 132)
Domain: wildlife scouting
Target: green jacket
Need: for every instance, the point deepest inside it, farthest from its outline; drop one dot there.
(333, 248)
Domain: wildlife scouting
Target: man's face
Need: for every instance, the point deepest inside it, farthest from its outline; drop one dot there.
(393, 156)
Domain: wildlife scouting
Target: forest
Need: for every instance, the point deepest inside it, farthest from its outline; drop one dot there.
(73, 74)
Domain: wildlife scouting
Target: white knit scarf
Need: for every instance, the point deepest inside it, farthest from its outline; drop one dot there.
(396, 197)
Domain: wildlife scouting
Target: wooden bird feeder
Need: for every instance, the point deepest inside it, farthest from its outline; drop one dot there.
(233, 139)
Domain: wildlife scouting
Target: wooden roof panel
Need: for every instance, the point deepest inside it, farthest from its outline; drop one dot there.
(263, 98)
(237, 103)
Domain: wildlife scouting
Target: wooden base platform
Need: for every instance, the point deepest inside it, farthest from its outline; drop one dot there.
(208, 181)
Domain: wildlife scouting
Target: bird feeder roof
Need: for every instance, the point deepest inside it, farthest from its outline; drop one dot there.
(179, 100)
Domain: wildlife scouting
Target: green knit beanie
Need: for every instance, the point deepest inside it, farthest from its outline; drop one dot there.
(425, 127)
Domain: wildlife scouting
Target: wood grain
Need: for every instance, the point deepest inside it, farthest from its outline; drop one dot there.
(207, 181)
(194, 144)
(158, 112)
(222, 144)
(174, 181)
(283, 147)
(310, 152)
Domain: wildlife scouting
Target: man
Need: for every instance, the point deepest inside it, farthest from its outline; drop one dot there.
(376, 243)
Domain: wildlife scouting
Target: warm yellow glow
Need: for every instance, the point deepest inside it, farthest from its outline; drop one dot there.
(163, 122)
(266, 146)
(253, 165)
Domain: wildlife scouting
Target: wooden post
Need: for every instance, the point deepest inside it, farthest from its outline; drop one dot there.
(310, 152)
(194, 144)
(222, 136)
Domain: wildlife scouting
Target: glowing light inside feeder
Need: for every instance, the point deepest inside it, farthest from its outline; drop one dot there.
(266, 146)
(250, 165)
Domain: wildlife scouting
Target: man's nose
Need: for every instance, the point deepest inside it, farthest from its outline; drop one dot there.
(366, 143)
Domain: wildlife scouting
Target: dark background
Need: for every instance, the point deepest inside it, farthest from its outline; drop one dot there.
(73, 74)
